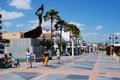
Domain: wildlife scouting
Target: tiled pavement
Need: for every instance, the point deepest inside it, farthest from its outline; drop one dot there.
(83, 67)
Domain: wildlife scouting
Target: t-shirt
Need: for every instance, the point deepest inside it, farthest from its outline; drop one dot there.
(10, 57)
(58, 54)
(28, 54)
(46, 53)
(5, 58)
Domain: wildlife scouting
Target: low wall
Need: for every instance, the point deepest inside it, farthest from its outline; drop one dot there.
(18, 47)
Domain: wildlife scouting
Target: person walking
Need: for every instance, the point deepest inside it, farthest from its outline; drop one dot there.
(58, 56)
(28, 59)
(45, 57)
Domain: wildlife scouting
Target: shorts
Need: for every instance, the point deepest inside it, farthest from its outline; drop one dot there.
(28, 58)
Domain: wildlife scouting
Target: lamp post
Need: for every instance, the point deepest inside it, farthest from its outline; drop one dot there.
(112, 37)
(0, 27)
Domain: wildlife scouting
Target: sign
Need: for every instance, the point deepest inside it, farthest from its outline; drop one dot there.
(81, 38)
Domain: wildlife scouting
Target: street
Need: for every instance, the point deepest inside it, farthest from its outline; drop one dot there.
(82, 67)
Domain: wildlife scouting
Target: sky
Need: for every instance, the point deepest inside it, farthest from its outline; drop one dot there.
(96, 19)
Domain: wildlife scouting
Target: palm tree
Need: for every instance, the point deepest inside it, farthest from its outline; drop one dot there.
(76, 33)
(60, 25)
(69, 28)
(73, 31)
(51, 15)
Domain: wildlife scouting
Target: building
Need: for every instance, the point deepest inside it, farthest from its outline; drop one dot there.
(12, 35)
(46, 34)
(113, 49)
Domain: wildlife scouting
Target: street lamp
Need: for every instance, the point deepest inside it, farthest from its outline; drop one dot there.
(112, 37)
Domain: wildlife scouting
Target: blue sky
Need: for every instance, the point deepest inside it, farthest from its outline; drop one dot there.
(97, 19)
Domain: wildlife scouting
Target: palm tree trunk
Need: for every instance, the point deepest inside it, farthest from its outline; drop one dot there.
(70, 41)
(72, 46)
(60, 40)
(76, 46)
(51, 31)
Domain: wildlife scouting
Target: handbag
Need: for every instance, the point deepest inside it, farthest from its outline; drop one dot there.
(32, 57)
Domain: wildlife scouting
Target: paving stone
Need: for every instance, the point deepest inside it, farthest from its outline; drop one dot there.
(65, 77)
(108, 69)
(77, 77)
(10, 76)
(26, 75)
(107, 78)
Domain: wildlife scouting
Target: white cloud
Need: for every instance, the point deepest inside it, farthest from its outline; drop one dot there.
(33, 21)
(10, 15)
(117, 33)
(47, 24)
(34, 24)
(28, 26)
(24, 27)
(20, 25)
(99, 27)
(80, 26)
(7, 24)
(20, 4)
(90, 34)
(105, 35)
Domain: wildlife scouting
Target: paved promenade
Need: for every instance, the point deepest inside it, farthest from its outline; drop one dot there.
(82, 67)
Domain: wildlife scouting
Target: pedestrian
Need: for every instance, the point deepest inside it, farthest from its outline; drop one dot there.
(28, 59)
(58, 56)
(45, 57)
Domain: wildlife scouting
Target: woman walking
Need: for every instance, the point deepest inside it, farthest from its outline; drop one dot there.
(28, 58)
(45, 57)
